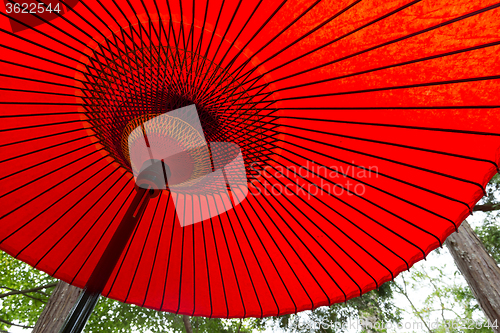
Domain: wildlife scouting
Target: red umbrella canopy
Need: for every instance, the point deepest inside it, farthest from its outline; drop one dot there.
(368, 131)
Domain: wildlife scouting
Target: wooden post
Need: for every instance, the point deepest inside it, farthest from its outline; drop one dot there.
(62, 300)
(479, 269)
(187, 324)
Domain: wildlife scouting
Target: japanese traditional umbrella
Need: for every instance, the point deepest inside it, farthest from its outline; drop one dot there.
(368, 131)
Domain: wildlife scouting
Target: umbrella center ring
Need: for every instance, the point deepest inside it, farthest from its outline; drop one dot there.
(137, 84)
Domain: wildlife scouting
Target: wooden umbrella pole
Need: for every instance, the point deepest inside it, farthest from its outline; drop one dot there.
(83, 308)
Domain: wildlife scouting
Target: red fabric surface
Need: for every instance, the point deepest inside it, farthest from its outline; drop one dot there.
(408, 90)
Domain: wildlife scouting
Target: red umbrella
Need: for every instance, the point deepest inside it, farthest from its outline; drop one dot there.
(368, 133)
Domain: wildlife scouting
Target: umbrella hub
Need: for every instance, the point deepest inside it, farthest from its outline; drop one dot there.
(134, 90)
(137, 84)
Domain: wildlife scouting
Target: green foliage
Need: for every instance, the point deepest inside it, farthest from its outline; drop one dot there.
(21, 308)
(376, 306)
(248, 325)
(492, 190)
(489, 233)
(113, 316)
(449, 300)
(489, 230)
